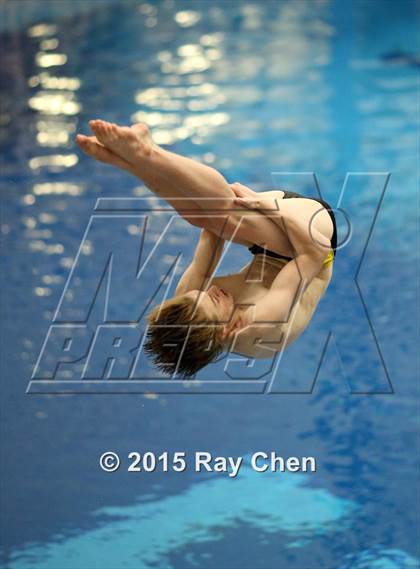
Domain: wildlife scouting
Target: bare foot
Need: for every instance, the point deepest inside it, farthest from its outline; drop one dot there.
(129, 143)
(93, 148)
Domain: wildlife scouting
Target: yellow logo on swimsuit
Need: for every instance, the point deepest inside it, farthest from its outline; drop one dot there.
(329, 258)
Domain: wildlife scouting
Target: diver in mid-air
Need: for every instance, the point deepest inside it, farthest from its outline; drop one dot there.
(255, 312)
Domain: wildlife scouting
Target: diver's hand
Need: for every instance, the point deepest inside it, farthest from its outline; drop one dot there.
(245, 197)
(242, 191)
(258, 203)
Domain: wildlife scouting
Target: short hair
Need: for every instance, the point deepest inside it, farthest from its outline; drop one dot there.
(180, 338)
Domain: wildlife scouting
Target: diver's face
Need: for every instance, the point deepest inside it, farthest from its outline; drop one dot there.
(216, 303)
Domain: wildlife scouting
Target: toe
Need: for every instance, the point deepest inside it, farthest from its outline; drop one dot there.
(99, 128)
(85, 145)
(140, 127)
(92, 147)
(94, 125)
(108, 132)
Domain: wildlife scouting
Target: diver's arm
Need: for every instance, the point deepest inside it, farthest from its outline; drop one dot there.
(288, 288)
(292, 281)
(206, 257)
(311, 248)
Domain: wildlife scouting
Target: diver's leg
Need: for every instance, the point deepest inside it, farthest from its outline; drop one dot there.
(190, 178)
(159, 185)
(166, 173)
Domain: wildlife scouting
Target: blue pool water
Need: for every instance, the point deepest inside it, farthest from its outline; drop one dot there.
(256, 89)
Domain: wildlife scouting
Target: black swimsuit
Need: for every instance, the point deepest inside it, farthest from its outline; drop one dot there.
(256, 249)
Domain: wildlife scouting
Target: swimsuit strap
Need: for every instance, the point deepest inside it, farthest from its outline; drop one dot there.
(288, 195)
(257, 250)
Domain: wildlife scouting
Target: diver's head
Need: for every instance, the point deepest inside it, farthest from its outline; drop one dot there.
(187, 332)
(215, 304)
